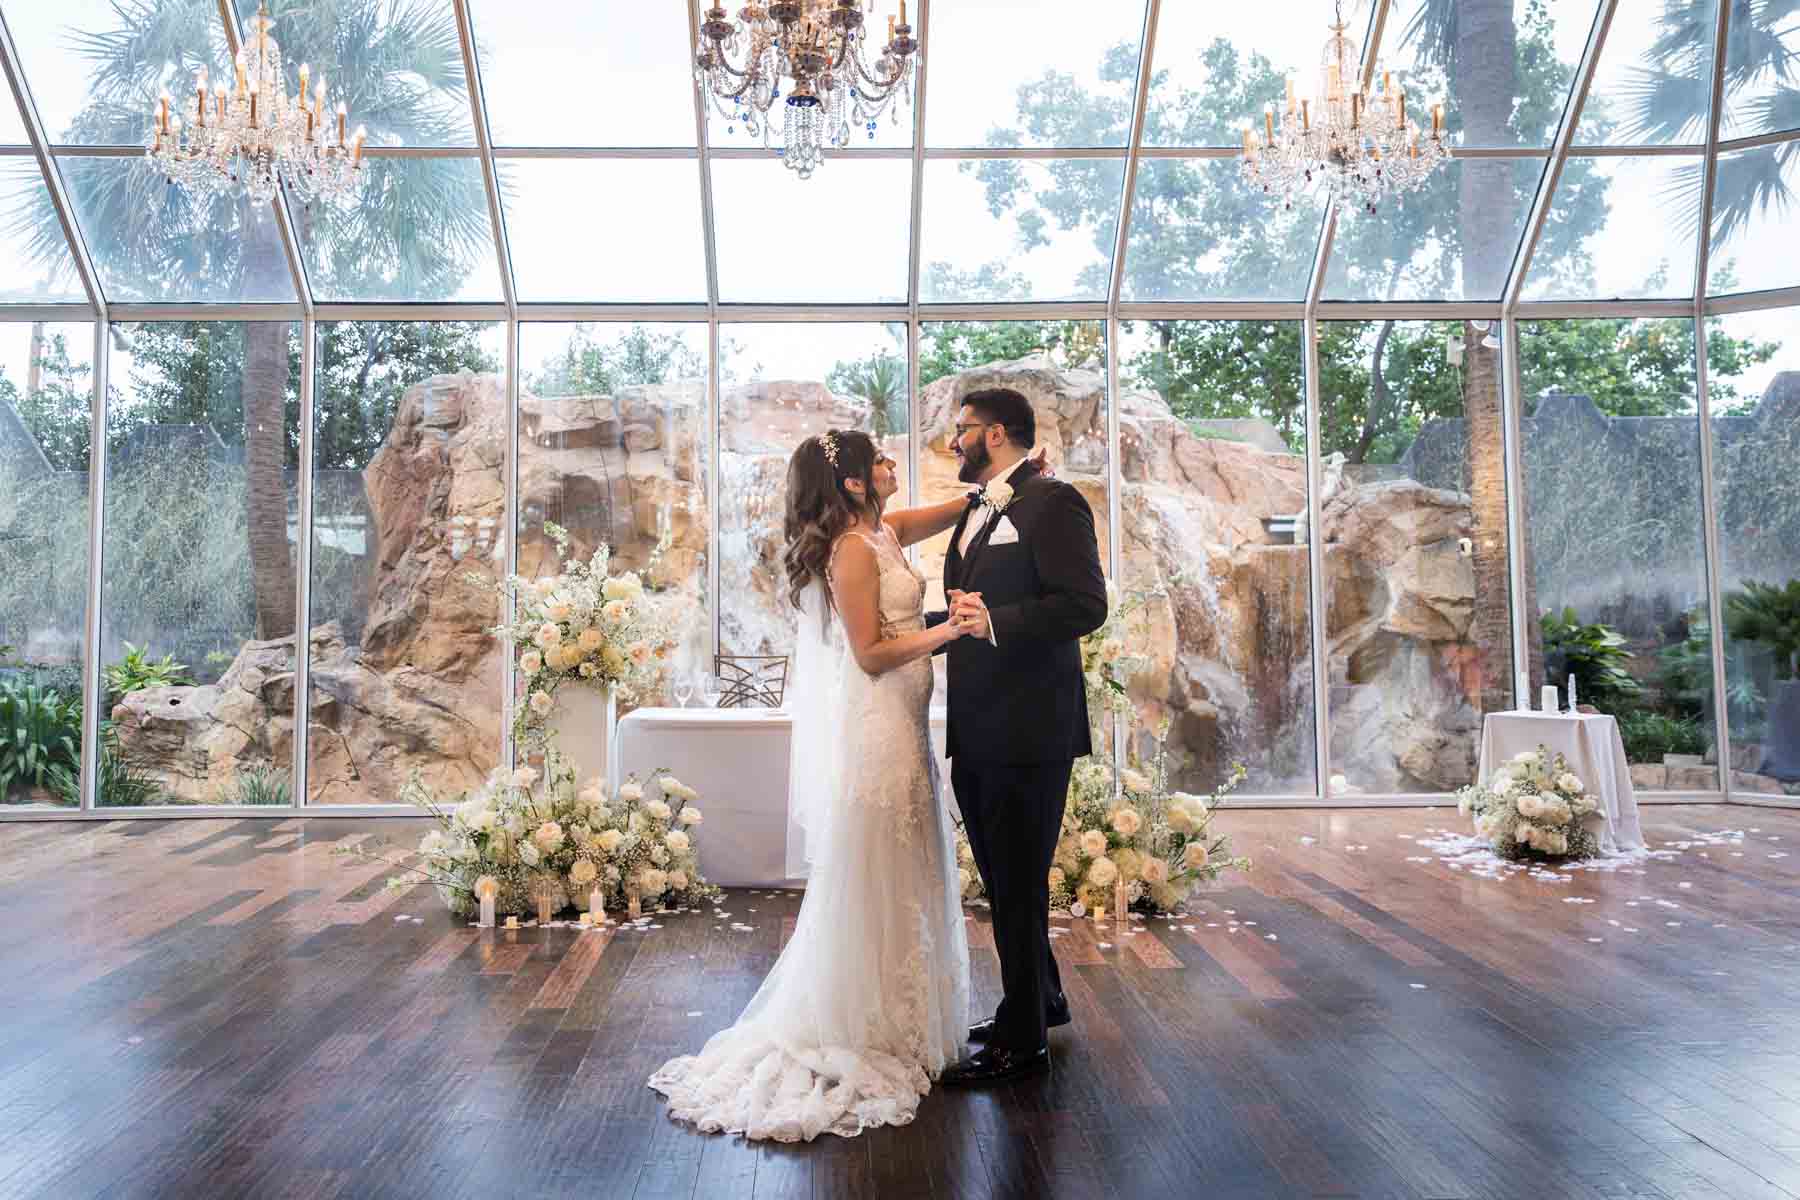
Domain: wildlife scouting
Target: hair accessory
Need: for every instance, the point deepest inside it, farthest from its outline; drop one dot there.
(829, 444)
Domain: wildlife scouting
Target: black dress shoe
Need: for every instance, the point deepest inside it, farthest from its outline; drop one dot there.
(983, 1030)
(997, 1064)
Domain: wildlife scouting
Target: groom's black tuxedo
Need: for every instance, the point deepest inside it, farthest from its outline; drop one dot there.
(1017, 720)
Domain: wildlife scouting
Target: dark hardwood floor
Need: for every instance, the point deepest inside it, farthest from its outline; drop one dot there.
(220, 1008)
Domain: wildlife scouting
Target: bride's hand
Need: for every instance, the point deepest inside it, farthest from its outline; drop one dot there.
(1040, 458)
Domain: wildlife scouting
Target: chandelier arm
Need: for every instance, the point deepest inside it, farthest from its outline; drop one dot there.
(886, 85)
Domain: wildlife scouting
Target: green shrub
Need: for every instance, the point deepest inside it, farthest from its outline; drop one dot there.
(137, 671)
(1649, 735)
(120, 785)
(1770, 615)
(39, 731)
(1595, 654)
(260, 785)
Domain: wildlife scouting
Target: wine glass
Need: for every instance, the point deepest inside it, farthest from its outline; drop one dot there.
(709, 689)
(684, 687)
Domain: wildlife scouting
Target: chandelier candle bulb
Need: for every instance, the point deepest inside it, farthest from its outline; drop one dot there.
(1306, 116)
(357, 147)
(1437, 119)
(1356, 110)
(1400, 118)
(305, 74)
(343, 116)
(1269, 123)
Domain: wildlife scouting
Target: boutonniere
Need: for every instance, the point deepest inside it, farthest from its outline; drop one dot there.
(996, 495)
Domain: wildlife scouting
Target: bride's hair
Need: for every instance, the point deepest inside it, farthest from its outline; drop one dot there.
(820, 507)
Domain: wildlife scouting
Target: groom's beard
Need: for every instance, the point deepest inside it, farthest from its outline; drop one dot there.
(974, 462)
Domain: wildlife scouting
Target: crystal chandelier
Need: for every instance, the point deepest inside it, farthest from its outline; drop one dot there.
(252, 139)
(1363, 145)
(814, 50)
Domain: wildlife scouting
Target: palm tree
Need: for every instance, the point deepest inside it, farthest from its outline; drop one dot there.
(880, 382)
(410, 230)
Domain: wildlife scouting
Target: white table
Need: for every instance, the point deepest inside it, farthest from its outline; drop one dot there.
(737, 759)
(1591, 744)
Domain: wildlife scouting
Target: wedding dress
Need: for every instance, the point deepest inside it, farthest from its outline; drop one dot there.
(869, 1001)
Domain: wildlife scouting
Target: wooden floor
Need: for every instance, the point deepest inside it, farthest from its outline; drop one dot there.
(220, 1008)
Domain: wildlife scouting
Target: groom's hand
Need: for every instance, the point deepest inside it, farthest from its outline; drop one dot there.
(968, 611)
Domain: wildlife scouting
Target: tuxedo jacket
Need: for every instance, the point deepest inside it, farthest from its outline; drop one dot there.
(1022, 701)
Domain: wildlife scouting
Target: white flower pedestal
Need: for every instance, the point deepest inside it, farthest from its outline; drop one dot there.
(585, 723)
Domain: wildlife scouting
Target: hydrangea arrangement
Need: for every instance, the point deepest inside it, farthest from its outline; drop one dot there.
(1533, 807)
(545, 836)
(1106, 665)
(1158, 841)
(585, 626)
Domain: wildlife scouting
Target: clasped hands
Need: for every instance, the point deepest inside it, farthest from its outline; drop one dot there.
(968, 614)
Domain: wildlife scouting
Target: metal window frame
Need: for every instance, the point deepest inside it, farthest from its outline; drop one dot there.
(1310, 309)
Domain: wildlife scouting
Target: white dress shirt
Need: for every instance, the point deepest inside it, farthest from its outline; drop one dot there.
(972, 529)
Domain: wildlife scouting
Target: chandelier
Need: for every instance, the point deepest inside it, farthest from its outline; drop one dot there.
(1363, 145)
(814, 51)
(254, 138)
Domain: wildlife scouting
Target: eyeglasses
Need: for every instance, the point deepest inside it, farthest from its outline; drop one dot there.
(962, 429)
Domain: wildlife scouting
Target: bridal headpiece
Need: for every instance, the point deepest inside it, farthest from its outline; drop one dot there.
(828, 443)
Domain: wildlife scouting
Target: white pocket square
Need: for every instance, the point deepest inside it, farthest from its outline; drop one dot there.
(1004, 533)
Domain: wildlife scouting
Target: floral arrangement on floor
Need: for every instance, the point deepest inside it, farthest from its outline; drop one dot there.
(1106, 667)
(582, 625)
(543, 835)
(1158, 841)
(1533, 807)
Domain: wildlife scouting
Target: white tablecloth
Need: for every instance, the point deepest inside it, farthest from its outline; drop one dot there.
(737, 759)
(1591, 744)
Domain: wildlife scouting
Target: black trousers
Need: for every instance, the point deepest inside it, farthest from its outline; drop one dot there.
(1013, 815)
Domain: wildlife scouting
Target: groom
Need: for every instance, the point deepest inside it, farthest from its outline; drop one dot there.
(1023, 578)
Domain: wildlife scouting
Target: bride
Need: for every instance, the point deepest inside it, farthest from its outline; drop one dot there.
(869, 1001)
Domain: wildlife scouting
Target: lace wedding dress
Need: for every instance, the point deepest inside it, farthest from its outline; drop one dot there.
(869, 1001)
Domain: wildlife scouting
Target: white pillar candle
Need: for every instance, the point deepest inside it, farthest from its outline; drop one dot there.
(1547, 698)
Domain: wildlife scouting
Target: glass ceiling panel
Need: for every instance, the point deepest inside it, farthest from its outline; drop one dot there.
(402, 64)
(585, 74)
(1218, 64)
(152, 244)
(12, 128)
(1198, 233)
(1762, 69)
(35, 264)
(839, 237)
(95, 67)
(605, 230)
(998, 230)
(1619, 229)
(1653, 81)
(1753, 220)
(1033, 72)
(1453, 239)
(418, 231)
(1494, 103)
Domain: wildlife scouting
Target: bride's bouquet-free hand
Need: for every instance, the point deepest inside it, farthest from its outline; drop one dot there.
(1533, 807)
(543, 836)
(585, 626)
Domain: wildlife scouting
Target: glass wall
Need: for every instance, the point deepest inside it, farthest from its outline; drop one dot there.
(197, 571)
(1756, 444)
(46, 422)
(1212, 475)
(615, 447)
(1413, 507)
(408, 539)
(781, 384)
(1615, 553)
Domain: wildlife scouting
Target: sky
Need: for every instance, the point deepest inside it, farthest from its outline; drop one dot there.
(613, 73)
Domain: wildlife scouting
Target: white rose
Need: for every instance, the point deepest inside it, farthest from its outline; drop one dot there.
(658, 854)
(1525, 756)
(609, 840)
(1180, 819)
(676, 841)
(615, 611)
(1156, 871)
(582, 873)
(433, 844)
(612, 660)
(615, 589)
(528, 854)
(652, 881)
(1194, 856)
(640, 654)
(657, 810)
(1126, 821)
(1093, 843)
(541, 703)
(631, 793)
(678, 880)
(1135, 781)
(548, 635)
(594, 794)
(524, 777)
(1102, 871)
(1057, 878)
(559, 610)
(1569, 782)
(690, 815)
(548, 836)
(633, 585)
(483, 819)
(590, 640)
(531, 662)
(1502, 780)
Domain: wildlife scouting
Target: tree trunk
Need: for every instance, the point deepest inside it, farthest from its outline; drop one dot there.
(34, 369)
(1376, 413)
(1485, 71)
(265, 381)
